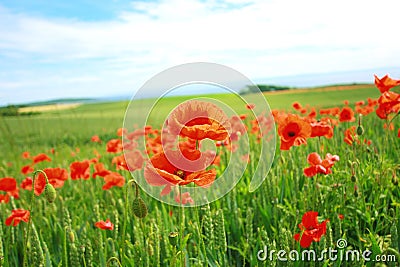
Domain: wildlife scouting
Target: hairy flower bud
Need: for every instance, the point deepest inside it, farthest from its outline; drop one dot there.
(360, 130)
(50, 193)
(139, 208)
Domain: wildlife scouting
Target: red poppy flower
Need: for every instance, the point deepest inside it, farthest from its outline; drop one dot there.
(56, 176)
(297, 106)
(341, 216)
(26, 184)
(185, 198)
(250, 106)
(131, 161)
(114, 146)
(364, 110)
(9, 185)
(4, 198)
(318, 165)
(311, 230)
(95, 139)
(350, 135)
(80, 170)
(347, 114)
(263, 124)
(312, 113)
(105, 225)
(161, 172)
(303, 111)
(41, 157)
(100, 170)
(389, 102)
(385, 83)
(199, 120)
(390, 127)
(237, 128)
(130, 145)
(293, 131)
(26, 155)
(321, 128)
(398, 133)
(113, 179)
(26, 169)
(17, 216)
(136, 133)
(217, 161)
(121, 131)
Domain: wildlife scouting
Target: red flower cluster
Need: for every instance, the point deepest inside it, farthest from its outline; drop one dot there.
(317, 165)
(193, 121)
(389, 101)
(8, 185)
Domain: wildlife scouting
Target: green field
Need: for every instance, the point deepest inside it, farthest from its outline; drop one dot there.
(363, 187)
(75, 127)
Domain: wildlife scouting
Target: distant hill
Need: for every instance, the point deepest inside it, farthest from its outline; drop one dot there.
(272, 88)
(58, 101)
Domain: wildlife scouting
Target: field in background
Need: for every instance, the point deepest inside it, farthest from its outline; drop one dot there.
(47, 108)
(74, 127)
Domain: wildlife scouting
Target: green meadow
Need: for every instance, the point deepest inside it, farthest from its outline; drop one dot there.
(76, 126)
(360, 199)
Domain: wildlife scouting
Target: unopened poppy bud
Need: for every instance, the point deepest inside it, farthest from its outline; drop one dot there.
(139, 208)
(395, 181)
(50, 193)
(353, 178)
(355, 190)
(173, 238)
(360, 130)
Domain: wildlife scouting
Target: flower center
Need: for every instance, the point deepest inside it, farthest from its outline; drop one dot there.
(291, 133)
(181, 174)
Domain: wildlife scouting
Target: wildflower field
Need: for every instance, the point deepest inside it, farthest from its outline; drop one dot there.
(67, 196)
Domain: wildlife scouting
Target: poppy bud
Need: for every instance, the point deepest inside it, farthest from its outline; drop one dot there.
(353, 178)
(173, 238)
(139, 208)
(395, 181)
(360, 130)
(50, 193)
(355, 190)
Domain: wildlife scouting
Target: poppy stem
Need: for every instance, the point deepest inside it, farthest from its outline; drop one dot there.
(122, 244)
(181, 228)
(25, 260)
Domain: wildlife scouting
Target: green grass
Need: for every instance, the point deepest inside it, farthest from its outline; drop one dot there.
(228, 232)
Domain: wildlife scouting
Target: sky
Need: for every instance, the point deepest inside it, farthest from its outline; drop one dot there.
(97, 48)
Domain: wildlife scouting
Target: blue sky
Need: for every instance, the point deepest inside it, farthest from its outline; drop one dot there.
(89, 48)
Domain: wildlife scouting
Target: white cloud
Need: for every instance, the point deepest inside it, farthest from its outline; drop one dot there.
(258, 38)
